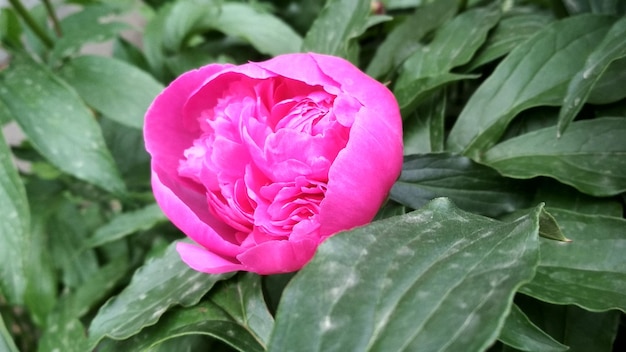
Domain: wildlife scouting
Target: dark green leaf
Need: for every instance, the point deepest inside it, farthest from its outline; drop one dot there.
(581, 330)
(435, 279)
(611, 48)
(119, 91)
(424, 128)
(338, 23)
(535, 73)
(558, 195)
(204, 318)
(10, 29)
(84, 27)
(429, 67)
(471, 186)
(405, 38)
(243, 301)
(590, 157)
(127, 147)
(519, 332)
(161, 283)
(6, 341)
(608, 7)
(67, 335)
(14, 228)
(590, 271)
(126, 224)
(58, 124)
(609, 87)
(510, 32)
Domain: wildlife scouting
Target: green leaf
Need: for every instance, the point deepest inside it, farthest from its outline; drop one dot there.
(6, 341)
(424, 128)
(558, 195)
(85, 26)
(581, 330)
(58, 124)
(204, 318)
(609, 7)
(435, 279)
(591, 270)
(590, 157)
(243, 301)
(338, 23)
(611, 48)
(265, 32)
(535, 73)
(509, 33)
(609, 87)
(10, 29)
(14, 228)
(471, 186)
(405, 38)
(126, 224)
(159, 284)
(119, 91)
(429, 67)
(519, 332)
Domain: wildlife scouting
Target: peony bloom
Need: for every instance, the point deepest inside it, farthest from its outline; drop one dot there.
(259, 163)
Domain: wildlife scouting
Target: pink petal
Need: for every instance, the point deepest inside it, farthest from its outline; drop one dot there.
(275, 257)
(205, 261)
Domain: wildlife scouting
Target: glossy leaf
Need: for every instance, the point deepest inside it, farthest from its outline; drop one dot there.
(126, 224)
(590, 271)
(609, 7)
(519, 332)
(509, 33)
(119, 91)
(159, 284)
(405, 38)
(58, 124)
(204, 318)
(14, 228)
(338, 23)
(611, 48)
(265, 32)
(608, 89)
(243, 301)
(590, 157)
(435, 279)
(84, 27)
(471, 186)
(558, 195)
(424, 128)
(429, 67)
(535, 73)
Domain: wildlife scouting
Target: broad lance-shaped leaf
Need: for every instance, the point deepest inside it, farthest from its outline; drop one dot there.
(57, 123)
(429, 67)
(436, 279)
(509, 33)
(161, 283)
(405, 38)
(235, 312)
(14, 228)
(471, 186)
(612, 47)
(118, 90)
(519, 332)
(591, 270)
(338, 23)
(591, 156)
(126, 224)
(534, 73)
(424, 127)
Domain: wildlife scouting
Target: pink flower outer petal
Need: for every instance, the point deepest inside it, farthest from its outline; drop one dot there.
(205, 261)
(274, 257)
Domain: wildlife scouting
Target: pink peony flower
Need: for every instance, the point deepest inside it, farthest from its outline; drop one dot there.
(259, 163)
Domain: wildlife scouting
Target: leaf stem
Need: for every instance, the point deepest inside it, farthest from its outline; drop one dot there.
(53, 16)
(30, 21)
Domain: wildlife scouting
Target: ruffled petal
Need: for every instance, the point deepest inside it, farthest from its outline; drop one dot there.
(274, 257)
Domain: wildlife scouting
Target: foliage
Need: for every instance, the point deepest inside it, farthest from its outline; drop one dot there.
(514, 111)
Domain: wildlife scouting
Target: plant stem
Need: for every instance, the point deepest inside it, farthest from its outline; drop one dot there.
(30, 21)
(53, 16)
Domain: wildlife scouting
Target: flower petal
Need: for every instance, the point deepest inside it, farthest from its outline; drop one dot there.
(205, 261)
(274, 257)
